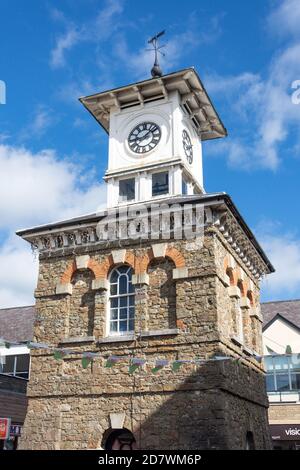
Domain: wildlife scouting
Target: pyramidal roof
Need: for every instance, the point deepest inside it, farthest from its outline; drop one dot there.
(194, 100)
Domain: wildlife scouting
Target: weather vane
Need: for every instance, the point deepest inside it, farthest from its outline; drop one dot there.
(156, 70)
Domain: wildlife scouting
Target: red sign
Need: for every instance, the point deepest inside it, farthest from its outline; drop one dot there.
(4, 428)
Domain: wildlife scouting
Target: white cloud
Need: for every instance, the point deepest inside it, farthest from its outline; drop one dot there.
(98, 29)
(41, 120)
(140, 62)
(36, 188)
(72, 90)
(63, 43)
(285, 19)
(105, 23)
(284, 253)
(4, 136)
(264, 103)
(18, 273)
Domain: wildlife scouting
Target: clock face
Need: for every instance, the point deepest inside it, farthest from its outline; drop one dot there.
(144, 137)
(187, 145)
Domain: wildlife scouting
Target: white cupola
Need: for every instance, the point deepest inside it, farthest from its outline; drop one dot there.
(155, 130)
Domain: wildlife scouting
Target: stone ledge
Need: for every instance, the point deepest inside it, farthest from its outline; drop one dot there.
(256, 354)
(64, 289)
(248, 351)
(100, 284)
(226, 280)
(245, 303)
(140, 279)
(234, 291)
(41, 293)
(180, 273)
(78, 339)
(116, 339)
(144, 334)
(166, 332)
(236, 341)
(255, 314)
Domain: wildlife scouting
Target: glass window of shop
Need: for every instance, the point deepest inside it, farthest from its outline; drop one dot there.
(283, 372)
(16, 365)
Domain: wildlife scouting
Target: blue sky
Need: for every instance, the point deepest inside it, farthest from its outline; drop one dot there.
(53, 154)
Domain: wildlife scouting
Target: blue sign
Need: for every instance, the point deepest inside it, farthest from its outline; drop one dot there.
(15, 430)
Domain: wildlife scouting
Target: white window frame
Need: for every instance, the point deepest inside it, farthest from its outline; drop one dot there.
(169, 183)
(117, 309)
(135, 190)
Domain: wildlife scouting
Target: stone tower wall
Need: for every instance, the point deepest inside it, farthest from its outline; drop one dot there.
(188, 298)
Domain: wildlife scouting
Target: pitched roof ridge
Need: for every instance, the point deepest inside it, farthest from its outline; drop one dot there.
(14, 308)
(280, 301)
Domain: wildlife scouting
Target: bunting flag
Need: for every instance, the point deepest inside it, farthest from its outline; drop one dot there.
(60, 353)
(33, 345)
(177, 364)
(135, 363)
(87, 358)
(112, 361)
(159, 364)
(85, 361)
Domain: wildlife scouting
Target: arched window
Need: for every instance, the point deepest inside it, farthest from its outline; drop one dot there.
(121, 301)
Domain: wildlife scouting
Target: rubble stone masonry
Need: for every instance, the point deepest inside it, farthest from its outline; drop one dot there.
(191, 301)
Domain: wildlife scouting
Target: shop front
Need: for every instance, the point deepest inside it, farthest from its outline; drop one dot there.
(9, 434)
(285, 436)
(13, 406)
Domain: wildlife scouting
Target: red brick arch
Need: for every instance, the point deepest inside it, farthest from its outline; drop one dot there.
(243, 286)
(98, 269)
(138, 263)
(68, 274)
(231, 273)
(142, 262)
(175, 256)
(250, 296)
(107, 265)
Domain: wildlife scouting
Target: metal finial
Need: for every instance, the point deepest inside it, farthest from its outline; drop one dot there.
(156, 71)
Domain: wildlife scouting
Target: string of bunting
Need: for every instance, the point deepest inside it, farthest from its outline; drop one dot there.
(135, 363)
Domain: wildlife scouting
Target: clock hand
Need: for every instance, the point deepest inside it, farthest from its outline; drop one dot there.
(143, 138)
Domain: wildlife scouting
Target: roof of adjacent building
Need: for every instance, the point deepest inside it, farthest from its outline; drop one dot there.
(287, 309)
(16, 323)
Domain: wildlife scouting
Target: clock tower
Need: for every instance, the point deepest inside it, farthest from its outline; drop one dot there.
(147, 337)
(155, 131)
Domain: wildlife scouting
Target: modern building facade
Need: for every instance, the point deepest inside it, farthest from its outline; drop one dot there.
(281, 337)
(16, 326)
(168, 273)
